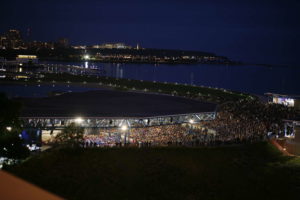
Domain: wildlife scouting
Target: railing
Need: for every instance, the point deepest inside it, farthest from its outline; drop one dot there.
(52, 123)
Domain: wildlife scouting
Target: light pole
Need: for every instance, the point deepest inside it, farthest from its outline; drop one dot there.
(191, 122)
(124, 129)
(86, 57)
(124, 126)
(78, 120)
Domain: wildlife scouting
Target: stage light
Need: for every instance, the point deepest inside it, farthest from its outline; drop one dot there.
(124, 128)
(78, 120)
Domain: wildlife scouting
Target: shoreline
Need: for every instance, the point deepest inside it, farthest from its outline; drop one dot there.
(207, 94)
(117, 61)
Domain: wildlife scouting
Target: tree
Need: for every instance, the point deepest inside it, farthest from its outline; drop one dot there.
(11, 145)
(71, 136)
(9, 115)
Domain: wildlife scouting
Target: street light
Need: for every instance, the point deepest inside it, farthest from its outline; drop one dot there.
(9, 128)
(124, 126)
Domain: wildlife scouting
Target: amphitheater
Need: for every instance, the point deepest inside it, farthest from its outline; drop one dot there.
(106, 110)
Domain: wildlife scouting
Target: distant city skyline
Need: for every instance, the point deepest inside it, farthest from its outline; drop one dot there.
(16, 34)
(252, 31)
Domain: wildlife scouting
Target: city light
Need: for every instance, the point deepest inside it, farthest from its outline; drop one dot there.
(86, 57)
(79, 120)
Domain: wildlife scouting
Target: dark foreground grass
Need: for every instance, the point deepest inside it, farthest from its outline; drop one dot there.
(256, 171)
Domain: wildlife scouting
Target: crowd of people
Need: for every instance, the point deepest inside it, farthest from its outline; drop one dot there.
(102, 139)
(245, 121)
(250, 120)
(147, 136)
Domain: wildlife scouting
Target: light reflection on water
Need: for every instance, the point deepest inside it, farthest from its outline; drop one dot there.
(244, 78)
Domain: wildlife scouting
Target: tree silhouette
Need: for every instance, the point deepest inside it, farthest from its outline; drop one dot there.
(71, 136)
(11, 145)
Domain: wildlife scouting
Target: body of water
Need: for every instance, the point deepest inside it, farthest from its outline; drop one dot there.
(244, 78)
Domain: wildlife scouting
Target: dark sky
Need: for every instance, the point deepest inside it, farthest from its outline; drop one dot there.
(261, 31)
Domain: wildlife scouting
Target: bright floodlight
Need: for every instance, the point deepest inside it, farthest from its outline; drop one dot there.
(86, 57)
(124, 128)
(191, 121)
(78, 120)
(8, 128)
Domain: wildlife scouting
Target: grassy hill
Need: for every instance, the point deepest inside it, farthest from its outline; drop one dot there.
(256, 171)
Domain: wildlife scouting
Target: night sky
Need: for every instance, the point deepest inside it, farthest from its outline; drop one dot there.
(257, 31)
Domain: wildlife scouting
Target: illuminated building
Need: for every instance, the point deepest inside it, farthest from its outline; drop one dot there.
(108, 46)
(40, 45)
(96, 46)
(27, 59)
(111, 46)
(12, 40)
(3, 42)
(79, 47)
(121, 46)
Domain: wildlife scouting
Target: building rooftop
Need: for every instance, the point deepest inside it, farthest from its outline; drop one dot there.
(111, 103)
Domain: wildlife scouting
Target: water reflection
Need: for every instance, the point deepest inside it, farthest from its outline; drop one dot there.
(252, 79)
